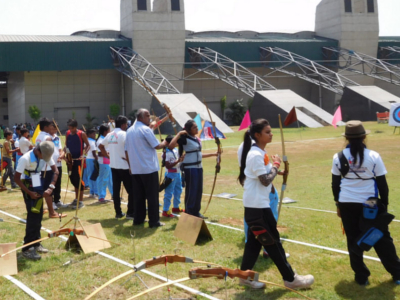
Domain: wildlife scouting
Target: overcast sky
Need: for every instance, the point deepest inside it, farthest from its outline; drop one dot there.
(63, 17)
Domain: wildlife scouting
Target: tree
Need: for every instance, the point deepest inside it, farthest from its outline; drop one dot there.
(34, 112)
(236, 112)
(223, 105)
(114, 110)
(89, 120)
(250, 103)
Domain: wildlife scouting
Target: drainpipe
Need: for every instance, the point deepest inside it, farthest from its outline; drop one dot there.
(123, 94)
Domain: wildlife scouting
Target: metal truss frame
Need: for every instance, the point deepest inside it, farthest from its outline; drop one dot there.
(279, 59)
(221, 67)
(393, 49)
(367, 65)
(137, 68)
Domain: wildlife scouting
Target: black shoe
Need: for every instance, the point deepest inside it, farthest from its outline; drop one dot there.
(119, 216)
(159, 224)
(31, 254)
(129, 217)
(365, 283)
(203, 217)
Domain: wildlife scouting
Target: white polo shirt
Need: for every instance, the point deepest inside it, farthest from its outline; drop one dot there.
(29, 162)
(43, 136)
(24, 144)
(353, 189)
(93, 147)
(56, 154)
(255, 194)
(115, 142)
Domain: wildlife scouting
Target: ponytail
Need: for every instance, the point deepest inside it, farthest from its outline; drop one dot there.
(246, 148)
(357, 147)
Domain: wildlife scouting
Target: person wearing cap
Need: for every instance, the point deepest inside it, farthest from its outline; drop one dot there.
(358, 174)
(27, 176)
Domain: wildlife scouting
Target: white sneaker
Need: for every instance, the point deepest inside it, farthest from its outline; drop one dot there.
(252, 284)
(60, 204)
(300, 282)
(55, 207)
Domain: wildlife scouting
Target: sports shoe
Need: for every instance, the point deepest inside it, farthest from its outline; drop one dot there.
(55, 207)
(167, 214)
(102, 201)
(119, 216)
(203, 217)
(252, 284)
(41, 249)
(300, 282)
(59, 204)
(159, 224)
(31, 254)
(73, 204)
(129, 217)
(177, 210)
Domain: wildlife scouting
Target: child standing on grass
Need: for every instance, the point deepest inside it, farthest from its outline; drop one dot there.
(172, 164)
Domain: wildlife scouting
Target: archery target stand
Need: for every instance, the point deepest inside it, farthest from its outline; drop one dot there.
(95, 240)
(394, 116)
(8, 263)
(191, 228)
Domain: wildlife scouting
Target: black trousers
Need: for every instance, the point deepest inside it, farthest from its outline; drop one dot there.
(33, 222)
(253, 246)
(118, 176)
(146, 187)
(76, 175)
(193, 191)
(57, 190)
(351, 214)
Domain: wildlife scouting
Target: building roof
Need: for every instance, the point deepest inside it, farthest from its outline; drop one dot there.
(53, 39)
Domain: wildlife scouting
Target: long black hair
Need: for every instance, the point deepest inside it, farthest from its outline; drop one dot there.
(103, 128)
(188, 125)
(256, 127)
(357, 147)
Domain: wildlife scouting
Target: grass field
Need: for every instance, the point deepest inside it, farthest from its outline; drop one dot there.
(309, 153)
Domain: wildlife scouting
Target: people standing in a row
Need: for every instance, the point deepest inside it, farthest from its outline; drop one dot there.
(192, 166)
(115, 143)
(140, 148)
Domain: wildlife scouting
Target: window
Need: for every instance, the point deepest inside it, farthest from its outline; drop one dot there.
(175, 5)
(142, 5)
(370, 6)
(347, 6)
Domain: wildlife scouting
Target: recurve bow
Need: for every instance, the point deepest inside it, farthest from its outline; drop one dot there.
(219, 151)
(286, 171)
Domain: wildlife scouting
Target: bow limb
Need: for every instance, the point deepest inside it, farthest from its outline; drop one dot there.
(23, 246)
(109, 282)
(160, 286)
(222, 272)
(286, 171)
(219, 152)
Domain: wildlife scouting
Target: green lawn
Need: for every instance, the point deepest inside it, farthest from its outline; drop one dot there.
(309, 153)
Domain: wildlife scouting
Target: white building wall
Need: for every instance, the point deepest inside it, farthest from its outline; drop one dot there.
(16, 98)
(358, 30)
(159, 36)
(59, 95)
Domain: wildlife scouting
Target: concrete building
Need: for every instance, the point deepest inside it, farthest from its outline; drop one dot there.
(74, 75)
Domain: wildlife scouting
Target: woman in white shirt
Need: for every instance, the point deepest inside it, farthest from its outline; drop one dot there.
(256, 175)
(364, 177)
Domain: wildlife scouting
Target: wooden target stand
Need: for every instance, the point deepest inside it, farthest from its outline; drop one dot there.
(8, 263)
(191, 228)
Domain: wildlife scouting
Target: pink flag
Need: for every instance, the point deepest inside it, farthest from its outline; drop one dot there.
(246, 122)
(337, 117)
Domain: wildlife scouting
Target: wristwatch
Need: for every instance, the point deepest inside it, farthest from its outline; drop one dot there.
(52, 186)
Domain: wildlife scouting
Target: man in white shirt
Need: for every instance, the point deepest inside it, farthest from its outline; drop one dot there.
(140, 148)
(24, 144)
(115, 142)
(28, 178)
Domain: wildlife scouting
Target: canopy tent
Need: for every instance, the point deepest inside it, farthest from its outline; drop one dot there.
(207, 132)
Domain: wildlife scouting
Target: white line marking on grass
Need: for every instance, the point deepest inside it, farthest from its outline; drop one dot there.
(189, 289)
(24, 287)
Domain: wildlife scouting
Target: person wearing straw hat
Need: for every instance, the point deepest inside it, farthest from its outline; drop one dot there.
(27, 176)
(358, 178)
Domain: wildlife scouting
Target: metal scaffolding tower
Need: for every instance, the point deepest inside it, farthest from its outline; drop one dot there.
(137, 68)
(349, 60)
(280, 60)
(221, 67)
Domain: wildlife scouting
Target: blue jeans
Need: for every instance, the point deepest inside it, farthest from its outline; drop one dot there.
(104, 180)
(273, 203)
(174, 189)
(88, 173)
